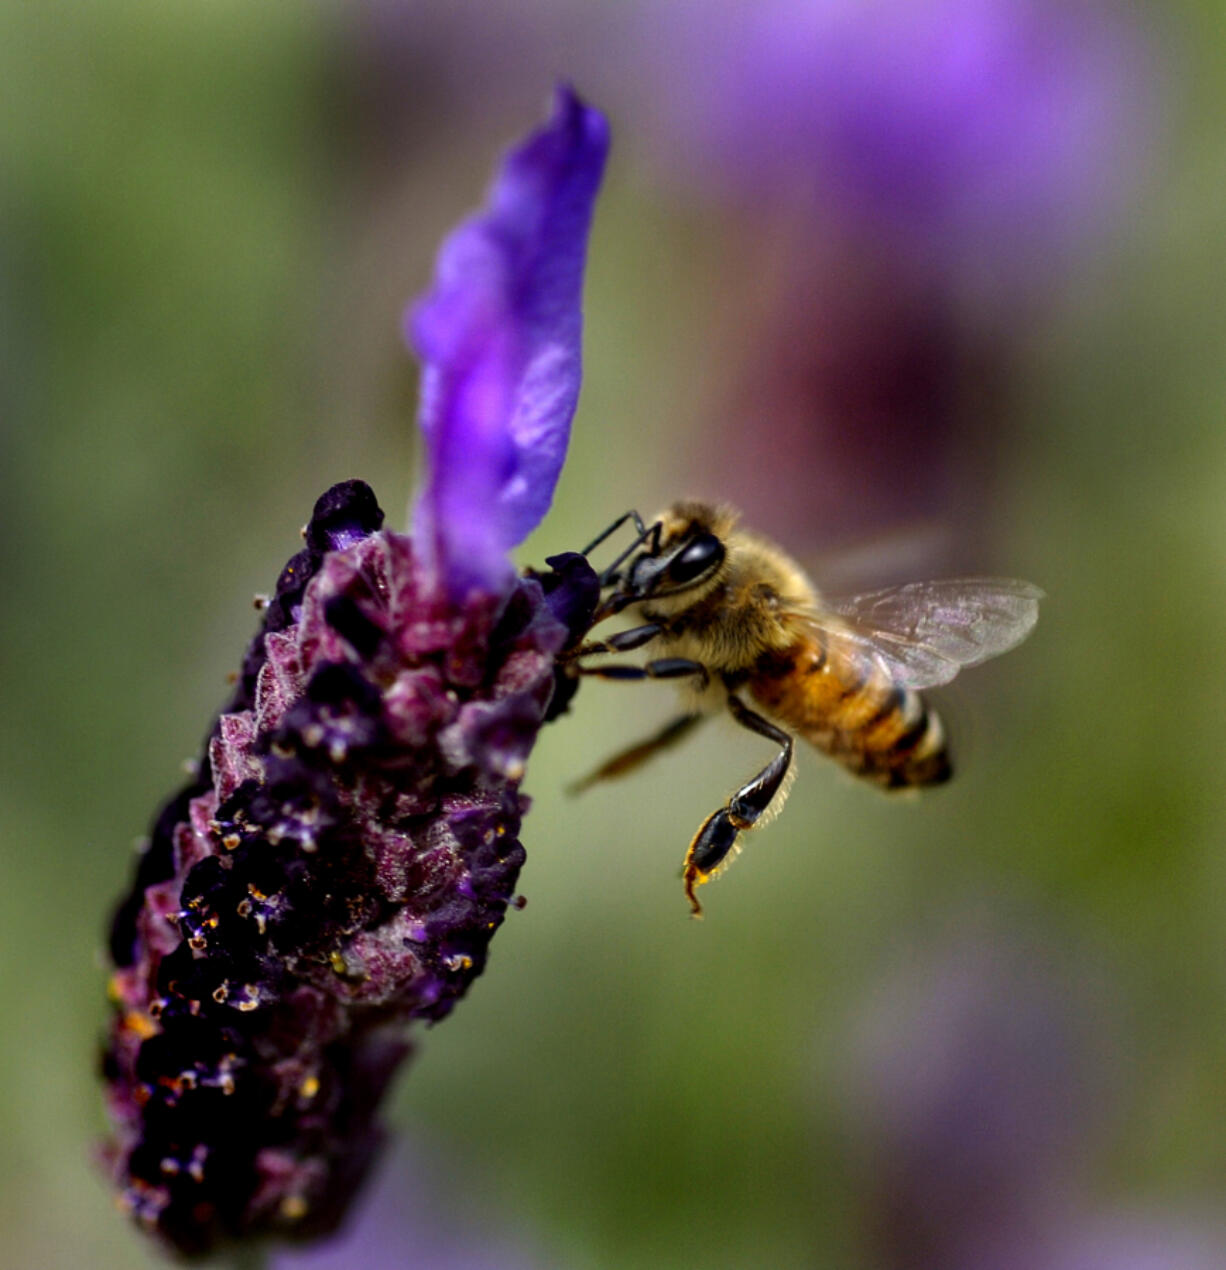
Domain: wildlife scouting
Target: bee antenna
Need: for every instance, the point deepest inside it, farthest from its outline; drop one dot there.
(613, 528)
(646, 533)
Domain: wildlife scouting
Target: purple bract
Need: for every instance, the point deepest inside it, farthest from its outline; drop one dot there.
(349, 845)
(499, 335)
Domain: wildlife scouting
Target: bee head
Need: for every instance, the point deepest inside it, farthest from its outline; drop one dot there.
(683, 556)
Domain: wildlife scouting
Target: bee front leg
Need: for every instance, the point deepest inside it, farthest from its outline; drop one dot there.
(622, 642)
(661, 668)
(715, 844)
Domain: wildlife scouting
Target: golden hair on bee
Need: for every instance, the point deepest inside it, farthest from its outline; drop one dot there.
(737, 624)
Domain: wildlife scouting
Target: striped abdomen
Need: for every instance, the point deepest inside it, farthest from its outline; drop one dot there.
(848, 706)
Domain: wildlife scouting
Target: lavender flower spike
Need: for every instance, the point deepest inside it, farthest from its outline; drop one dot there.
(349, 845)
(499, 337)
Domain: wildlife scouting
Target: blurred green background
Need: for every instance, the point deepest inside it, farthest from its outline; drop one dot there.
(211, 224)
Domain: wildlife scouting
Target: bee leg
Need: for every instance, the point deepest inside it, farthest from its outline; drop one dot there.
(661, 668)
(635, 755)
(715, 843)
(622, 642)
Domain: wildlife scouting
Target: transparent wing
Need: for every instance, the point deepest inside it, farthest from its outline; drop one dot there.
(924, 633)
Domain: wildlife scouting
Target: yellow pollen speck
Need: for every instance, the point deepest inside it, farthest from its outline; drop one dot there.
(337, 962)
(293, 1208)
(309, 1087)
(140, 1023)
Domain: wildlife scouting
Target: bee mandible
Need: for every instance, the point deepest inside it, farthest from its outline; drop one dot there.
(740, 628)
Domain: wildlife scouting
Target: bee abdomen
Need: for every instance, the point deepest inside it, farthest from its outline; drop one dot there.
(887, 734)
(853, 711)
(903, 745)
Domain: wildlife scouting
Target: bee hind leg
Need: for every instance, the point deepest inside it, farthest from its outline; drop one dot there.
(627, 760)
(716, 843)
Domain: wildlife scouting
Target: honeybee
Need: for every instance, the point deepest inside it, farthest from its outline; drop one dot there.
(738, 625)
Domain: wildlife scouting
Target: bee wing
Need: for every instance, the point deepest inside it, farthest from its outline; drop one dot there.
(926, 632)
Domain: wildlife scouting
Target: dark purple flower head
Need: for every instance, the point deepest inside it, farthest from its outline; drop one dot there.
(499, 335)
(349, 845)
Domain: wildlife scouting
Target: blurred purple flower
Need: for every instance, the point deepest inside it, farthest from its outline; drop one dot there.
(979, 1083)
(981, 134)
(971, 1093)
(413, 1214)
(349, 845)
(499, 335)
(1137, 1241)
(961, 128)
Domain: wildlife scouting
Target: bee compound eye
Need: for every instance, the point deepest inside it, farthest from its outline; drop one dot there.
(700, 556)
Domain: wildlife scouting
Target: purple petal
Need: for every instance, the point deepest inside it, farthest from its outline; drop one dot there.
(499, 337)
